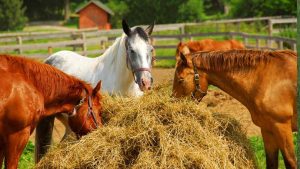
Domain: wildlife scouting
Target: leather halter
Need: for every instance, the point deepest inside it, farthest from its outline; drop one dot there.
(89, 113)
(128, 60)
(197, 83)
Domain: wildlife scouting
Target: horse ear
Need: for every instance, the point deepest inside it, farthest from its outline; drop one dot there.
(149, 29)
(97, 88)
(177, 55)
(183, 58)
(126, 28)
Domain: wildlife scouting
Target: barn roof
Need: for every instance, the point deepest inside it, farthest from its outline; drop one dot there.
(97, 3)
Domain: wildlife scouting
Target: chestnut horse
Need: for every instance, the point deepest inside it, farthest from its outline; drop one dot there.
(31, 91)
(263, 81)
(207, 45)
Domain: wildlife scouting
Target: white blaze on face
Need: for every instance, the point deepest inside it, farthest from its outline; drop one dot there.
(140, 47)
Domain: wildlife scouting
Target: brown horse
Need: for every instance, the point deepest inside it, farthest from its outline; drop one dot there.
(263, 81)
(30, 91)
(207, 45)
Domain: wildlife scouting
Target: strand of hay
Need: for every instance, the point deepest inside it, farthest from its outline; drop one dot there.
(156, 131)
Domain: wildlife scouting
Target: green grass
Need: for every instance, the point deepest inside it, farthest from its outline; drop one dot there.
(258, 148)
(27, 158)
(165, 63)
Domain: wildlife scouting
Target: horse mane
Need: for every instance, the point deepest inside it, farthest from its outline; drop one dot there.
(47, 79)
(234, 59)
(113, 51)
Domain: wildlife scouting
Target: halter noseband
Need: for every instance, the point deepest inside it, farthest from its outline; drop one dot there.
(197, 83)
(130, 62)
(89, 113)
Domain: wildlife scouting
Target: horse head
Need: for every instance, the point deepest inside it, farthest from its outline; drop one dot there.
(86, 115)
(139, 54)
(181, 48)
(188, 80)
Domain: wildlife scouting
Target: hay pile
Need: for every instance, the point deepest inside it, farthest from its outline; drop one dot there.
(156, 132)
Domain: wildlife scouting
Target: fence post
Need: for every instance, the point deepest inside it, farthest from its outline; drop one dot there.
(50, 50)
(270, 27)
(257, 43)
(84, 47)
(231, 35)
(152, 42)
(294, 47)
(269, 43)
(280, 44)
(238, 26)
(245, 40)
(19, 39)
(182, 29)
(74, 37)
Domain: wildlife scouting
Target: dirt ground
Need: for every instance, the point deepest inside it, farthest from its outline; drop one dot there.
(217, 101)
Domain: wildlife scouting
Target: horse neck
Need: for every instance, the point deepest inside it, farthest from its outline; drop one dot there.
(52, 83)
(237, 84)
(116, 67)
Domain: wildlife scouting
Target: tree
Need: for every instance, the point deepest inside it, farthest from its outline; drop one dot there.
(145, 11)
(242, 8)
(38, 10)
(120, 9)
(12, 15)
(192, 10)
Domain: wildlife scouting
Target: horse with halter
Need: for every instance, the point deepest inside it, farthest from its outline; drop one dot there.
(207, 45)
(265, 82)
(31, 91)
(124, 68)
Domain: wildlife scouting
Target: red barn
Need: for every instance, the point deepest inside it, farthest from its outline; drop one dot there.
(94, 14)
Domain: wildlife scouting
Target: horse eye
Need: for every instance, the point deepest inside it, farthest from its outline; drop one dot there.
(151, 49)
(180, 80)
(131, 51)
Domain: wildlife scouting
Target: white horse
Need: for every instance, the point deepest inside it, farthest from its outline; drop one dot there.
(124, 68)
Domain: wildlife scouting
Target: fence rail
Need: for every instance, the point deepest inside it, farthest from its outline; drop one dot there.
(270, 42)
(22, 43)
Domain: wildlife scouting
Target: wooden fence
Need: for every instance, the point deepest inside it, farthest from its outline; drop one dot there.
(82, 41)
(25, 43)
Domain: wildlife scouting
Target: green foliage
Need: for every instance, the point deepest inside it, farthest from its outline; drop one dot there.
(242, 8)
(288, 33)
(119, 9)
(214, 7)
(38, 10)
(146, 11)
(192, 10)
(12, 15)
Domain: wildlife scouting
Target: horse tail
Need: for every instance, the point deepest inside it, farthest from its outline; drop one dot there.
(43, 137)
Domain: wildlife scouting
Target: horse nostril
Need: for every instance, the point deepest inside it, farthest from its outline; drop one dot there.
(149, 88)
(143, 82)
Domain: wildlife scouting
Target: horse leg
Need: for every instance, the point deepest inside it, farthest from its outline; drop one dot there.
(64, 120)
(285, 141)
(1, 156)
(271, 149)
(43, 137)
(14, 147)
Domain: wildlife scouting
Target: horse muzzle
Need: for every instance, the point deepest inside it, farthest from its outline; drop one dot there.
(145, 84)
